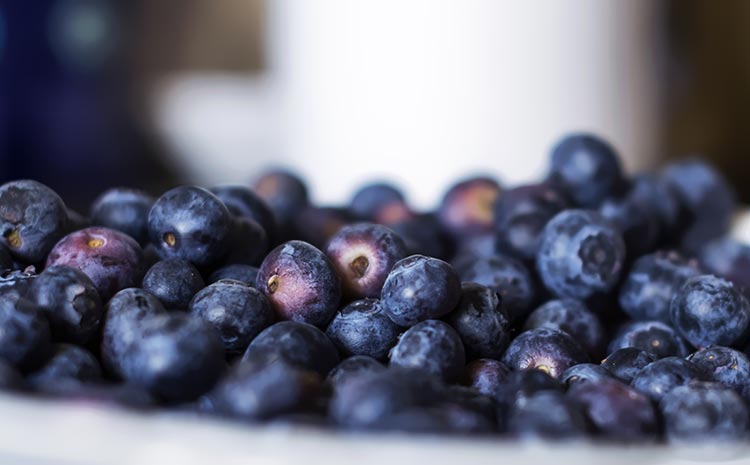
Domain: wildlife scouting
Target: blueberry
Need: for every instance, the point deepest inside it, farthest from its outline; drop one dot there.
(481, 321)
(300, 344)
(625, 364)
(517, 387)
(247, 242)
(548, 350)
(724, 365)
(396, 212)
(238, 272)
(420, 288)
(352, 367)
(363, 328)
(317, 225)
(652, 282)
(68, 363)
(243, 202)
(651, 336)
(10, 378)
(662, 200)
(421, 235)
(16, 284)
(572, 317)
(432, 346)
(24, 334)
(659, 378)
(125, 210)
(638, 222)
(520, 216)
(32, 218)
(547, 415)
(284, 193)
(710, 311)
(191, 223)
(729, 259)
(70, 301)
(581, 254)
(101, 394)
(485, 375)
(459, 399)
(300, 283)
(586, 168)
(369, 199)
(237, 310)
(437, 419)
(584, 373)
(111, 259)
(174, 282)
(363, 254)
(467, 208)
(6, 261)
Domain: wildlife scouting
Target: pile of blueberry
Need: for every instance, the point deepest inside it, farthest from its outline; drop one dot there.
(588, 305)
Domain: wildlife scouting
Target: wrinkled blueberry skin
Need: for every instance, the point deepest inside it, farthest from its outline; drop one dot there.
(174, 282)
(650, 336)
(625, 364)
(283, 192)
(724, 365)
(67, 363)
(70, 302)
(549, 350)
(352, 367)
(10, 378)
(32, 219)
(124, 210)
(520, 216)
(243, 202)
(651, 283)
(485, 375)
(246, 273)
(507, 276)
(363, 328)
(369, 199)
(660, 377)
(584, 373)
(467, 207)
(238, 311)
(111, 259)
(24, 334)
(729, 259)
(637, 221)
(481, 321)
(300, 283)
(422, 236)
(300, 344)
(581, 254)
(572, 317)
(363, 254)
(586, 168)
(432, 346)
(191, 223)
(704, 412)
(547, 415)
(247, 242)
(710, 311)
(420, 288)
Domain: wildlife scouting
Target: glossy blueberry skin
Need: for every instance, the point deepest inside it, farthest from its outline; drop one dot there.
(485, 375)
(301, 283)
(547, 415)
(420, 288)
(363, 254)
(174, 282)
(706, 413)
(422, 236)
(238, 272)
(651, 336)
(191, 223)
(481, 321)
(507, 276)
(659, 378)
(572, 317)
(237, 310)
(520, 216)
(352, 367)
(243, 202)
(283, 192)
(432, 346)
(363, 328)
(124, 210)
(625, 364)
(70, 302)
(67, 363)
(10, 378)
(637, 221)
(651, 283)
(581, 254)
(584, 373)
(545, 349)
(24, 334)
(724, 365)
(710, 311)
(111, 259)
(467, 207)
(729, 259)
(300, 344)
(369, 199)
(247, 242)
(586, 168)
(32, 219)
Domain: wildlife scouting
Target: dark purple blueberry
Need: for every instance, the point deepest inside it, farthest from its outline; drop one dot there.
(572, 317)
(652, 282)
(581, 254)
(467, 399)
(247, 242)
(520, 216)
(67, 363)
(485, 375)
(243, 202)
(659, 378)
(481, 321)
(517, 387)
(300, 344)
(24, 334)
(638, 222)
(420, 288)
(729, 259)
(363, 254)
(432, 346)
(70, 301)
(584, 373)
(111, 259)
(369, 199)
(651, 336)
(467, 208)
(174, 282)
(32, 219)
(710, 311)
(437, 419)
(6, 261)
(16, 283)
(586, 168)
(662, 200)
(547, 415)
(549, 350)
(421, 235)
(125, 210)
(10, 378)
(283, 192)
(191, 223)
(352, 367)
(245, 273)
(724, 365)
(301, 283)
(237, 310)
(625, 364)
(317, 225)
(363, 328)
